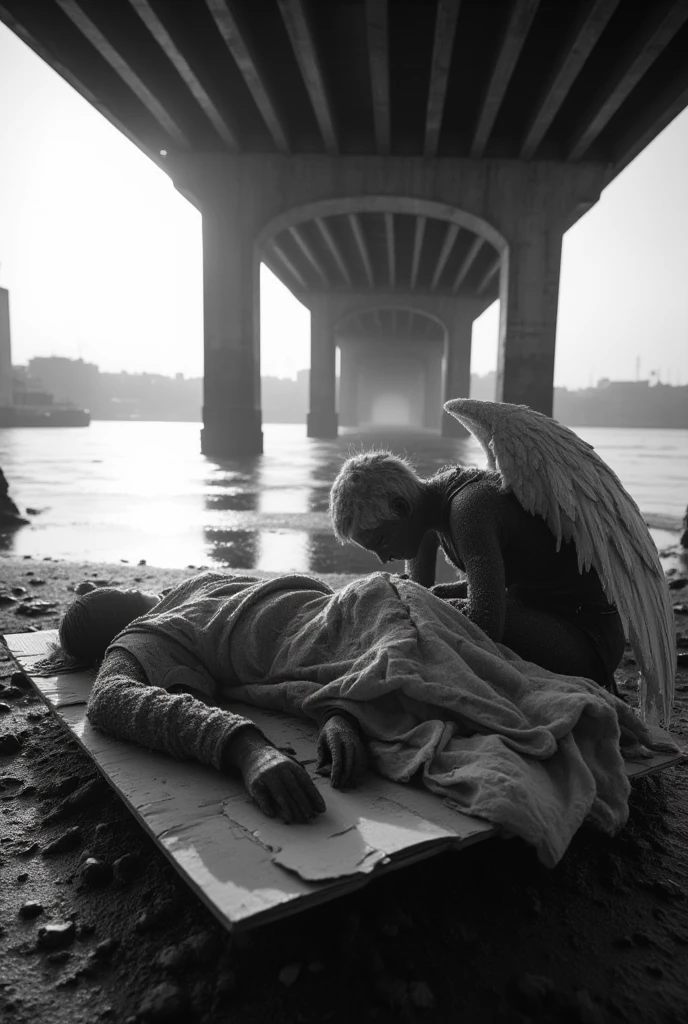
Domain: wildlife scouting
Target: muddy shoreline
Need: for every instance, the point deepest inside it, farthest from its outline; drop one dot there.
(479, 936)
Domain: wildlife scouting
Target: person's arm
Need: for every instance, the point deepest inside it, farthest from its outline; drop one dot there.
(125, 705)
(421, 569)
(474, 526)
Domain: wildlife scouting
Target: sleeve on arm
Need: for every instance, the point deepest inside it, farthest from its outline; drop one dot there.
(125, 705)
(474, 526)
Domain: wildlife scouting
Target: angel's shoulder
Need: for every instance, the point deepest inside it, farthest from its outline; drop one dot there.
(481, 495)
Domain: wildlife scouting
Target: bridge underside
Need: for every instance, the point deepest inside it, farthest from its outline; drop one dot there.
(377, 156)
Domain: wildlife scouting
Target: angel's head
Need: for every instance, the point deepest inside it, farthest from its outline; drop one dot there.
(375, 502)
(93, 620)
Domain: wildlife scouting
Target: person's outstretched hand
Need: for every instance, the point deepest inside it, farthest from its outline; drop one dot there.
(277, 783)
(341, 752)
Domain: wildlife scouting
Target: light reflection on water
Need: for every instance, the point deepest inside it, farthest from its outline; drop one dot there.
(143, 490)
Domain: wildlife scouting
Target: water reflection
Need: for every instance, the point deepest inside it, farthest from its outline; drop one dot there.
(143, 490)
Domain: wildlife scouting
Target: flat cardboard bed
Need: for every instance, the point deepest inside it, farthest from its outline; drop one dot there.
(249, 869)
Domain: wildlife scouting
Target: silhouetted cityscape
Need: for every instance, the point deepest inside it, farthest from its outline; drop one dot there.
(150, 396)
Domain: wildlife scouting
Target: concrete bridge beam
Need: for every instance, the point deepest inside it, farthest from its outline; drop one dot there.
(457, 376)
(521, 208)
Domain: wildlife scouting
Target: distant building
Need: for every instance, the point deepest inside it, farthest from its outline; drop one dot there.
(6, 381)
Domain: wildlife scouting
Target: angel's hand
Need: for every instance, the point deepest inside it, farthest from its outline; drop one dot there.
(341, 752)
(445, 590)
(279, 785)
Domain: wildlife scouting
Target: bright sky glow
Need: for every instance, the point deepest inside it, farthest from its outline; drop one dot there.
(103, 258)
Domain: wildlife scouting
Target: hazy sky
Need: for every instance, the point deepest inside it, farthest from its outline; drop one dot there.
(103, 258)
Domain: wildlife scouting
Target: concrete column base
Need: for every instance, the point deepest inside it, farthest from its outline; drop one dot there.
(322, 424)
(237, 432)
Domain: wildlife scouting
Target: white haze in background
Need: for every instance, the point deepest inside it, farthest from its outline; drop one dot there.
(103, 257)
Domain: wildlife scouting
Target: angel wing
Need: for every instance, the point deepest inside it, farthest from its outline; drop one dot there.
(555, 474)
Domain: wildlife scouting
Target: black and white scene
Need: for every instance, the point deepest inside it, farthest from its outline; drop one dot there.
(343, 511)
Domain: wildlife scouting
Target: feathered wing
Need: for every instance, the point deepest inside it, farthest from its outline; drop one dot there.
(555, 474)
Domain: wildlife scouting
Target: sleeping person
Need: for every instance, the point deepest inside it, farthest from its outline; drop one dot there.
(392, 676)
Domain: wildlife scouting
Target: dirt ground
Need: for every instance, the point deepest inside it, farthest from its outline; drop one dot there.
(485, 935)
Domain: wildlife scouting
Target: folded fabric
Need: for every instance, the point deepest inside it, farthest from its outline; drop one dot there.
(532, 751)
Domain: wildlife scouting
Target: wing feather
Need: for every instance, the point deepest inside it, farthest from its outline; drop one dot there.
(558, 476)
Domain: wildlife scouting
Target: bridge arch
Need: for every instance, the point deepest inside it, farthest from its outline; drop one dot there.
(412, 205)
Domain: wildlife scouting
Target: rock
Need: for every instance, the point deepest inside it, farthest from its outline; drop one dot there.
(35, 608)
(37, 582)
(105, 949)
(678, 582)
(9, 744)
(30, 909)
(69, 840)
(96, 873)
(164, 1003)
(29, 851)
(19, 591)
(5, 709)
(142, 561)
(288, 975)
(85, 796)
(421, 995)
(533, 990)
(60, 957)
(23, 877)
(6, 599)
(56, 935)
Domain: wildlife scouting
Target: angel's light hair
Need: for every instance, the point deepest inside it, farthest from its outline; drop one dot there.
(365, 489)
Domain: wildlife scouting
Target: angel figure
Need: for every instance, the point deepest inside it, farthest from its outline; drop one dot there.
(557, 562)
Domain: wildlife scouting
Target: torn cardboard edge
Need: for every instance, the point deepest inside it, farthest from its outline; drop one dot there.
(249, 869)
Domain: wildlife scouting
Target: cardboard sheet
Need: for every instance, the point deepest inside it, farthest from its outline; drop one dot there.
(246, 868)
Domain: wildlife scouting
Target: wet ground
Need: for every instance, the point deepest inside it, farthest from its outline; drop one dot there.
(96, 926)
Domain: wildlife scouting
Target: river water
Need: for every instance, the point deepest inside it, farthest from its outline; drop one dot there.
(129, 491)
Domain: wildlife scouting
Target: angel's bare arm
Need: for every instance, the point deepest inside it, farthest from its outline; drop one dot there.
(421, 569)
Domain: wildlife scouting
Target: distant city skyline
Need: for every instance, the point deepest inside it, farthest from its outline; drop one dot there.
(102, 256)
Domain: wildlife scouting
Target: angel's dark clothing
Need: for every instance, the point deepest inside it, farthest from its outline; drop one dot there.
(512, 563)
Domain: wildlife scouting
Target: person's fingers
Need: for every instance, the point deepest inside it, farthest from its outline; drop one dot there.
(338, 762)
(294, 783)
(282, 799)
(323, 754)
(261, 795)
(314, 795)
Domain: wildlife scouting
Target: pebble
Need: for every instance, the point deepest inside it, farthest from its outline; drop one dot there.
(69, 840)
(60, 957)
(164, 1003)
(37, 582)
(19, 591)
(56, 935)
(105, 949)
(5, 709)
(7, 599)
(534, 989)
(30, 909)
(421, 995)
(23, 877)
(35, 608)
(288, 975)
(96, 873)
(9, 744)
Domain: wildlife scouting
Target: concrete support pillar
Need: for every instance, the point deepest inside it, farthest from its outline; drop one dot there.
(529, 293)
(457, 378)
(348, 387)
(322, 414)
(231, 313)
